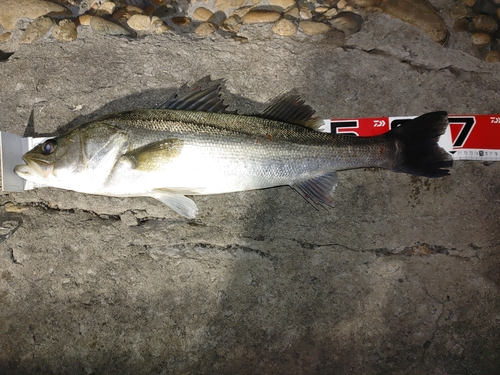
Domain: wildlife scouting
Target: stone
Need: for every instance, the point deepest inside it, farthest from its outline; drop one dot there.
(182, 21)
(12, 10)
(159, 2)
(485, 22)
(293, 12)
(321, 9)
(241, 11)
(84, 19)
(347, 22)
(5, 36)
(459, 11)
(202, 14)
(493, 57)
(139, 22)
(364, 3)
(232, 24)
(163, 28)
(205, 28)
(332, 12)
(305, 12)
(223, 5)
(284, 27)
(284, 4)
(481, 38)
(419, 13)
(261, 16)
(65, 31)
(103, 26)
(37, 29)
(313, 28)
(106, 8)
(341, 4)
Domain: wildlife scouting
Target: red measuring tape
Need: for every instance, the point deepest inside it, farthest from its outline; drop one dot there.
(469, 137)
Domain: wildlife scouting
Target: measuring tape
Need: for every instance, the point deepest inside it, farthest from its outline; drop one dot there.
(469, 137)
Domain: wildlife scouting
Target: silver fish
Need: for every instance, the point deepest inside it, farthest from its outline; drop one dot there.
(191, 145)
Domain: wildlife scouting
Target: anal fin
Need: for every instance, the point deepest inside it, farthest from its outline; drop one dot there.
(318, 190)
(177, 202)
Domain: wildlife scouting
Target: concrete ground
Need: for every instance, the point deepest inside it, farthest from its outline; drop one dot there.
(401, 277)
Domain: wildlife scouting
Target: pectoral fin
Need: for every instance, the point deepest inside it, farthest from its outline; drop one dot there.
(319, 189)
(156, 154)
(177, 202)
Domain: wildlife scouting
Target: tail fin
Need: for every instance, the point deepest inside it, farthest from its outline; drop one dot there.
(419, 152)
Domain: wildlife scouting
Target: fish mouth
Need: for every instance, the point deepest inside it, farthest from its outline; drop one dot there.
(33, 169)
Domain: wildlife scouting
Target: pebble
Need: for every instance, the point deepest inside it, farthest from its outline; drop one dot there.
(365, 3)
(139, 22)
(481, 38)
(182, 21)
(305, 12)
(103, 26)
(12, 10)
(261, 16)
(459, 11)
(284, 4)
(5, 36)
(240, 39)
(205, 28)
(106, 8)
(485, 22)
(223, 5)
(347, 22)
(202, 14)
(159, 2)
(493, 57)
(84, 19)
(293, 12)
(284, 27)
(163, 28)
(332, 12)
(232, 24)
(313, 28)
(37, 29)
(65, 31)
(341, 4)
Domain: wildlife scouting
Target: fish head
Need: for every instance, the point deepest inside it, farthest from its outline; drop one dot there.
(80, 160)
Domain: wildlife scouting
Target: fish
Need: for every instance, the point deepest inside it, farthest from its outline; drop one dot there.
(191, 145)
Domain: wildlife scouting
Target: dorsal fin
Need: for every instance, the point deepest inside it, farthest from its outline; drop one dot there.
(207, 100)
(293, 110)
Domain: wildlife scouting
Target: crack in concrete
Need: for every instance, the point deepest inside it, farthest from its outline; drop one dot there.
(421, 68)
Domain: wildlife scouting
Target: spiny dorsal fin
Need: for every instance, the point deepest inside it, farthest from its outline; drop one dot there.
(293, 110)
(207, 100)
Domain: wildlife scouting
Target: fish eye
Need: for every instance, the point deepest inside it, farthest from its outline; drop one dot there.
(49, 146)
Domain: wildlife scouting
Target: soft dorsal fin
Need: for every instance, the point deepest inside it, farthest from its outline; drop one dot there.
(207, 100)
(293, 110)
